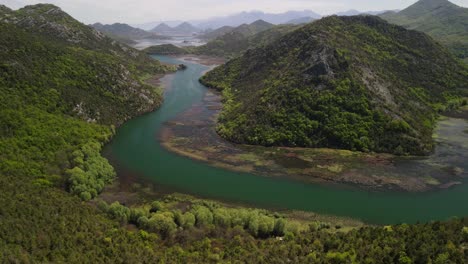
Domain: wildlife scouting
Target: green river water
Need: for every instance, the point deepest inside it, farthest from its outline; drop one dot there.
(136, 148)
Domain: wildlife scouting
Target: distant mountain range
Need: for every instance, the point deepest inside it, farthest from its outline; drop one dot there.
(354, 12)
(302, 20)
(238, 19)
(151, 25)
(441, 19)
(184, 28)
(229, 41)
(125, 33)
(250, 17)
(289, 17)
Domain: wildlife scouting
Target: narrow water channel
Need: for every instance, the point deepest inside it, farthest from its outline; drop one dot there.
(136, 148)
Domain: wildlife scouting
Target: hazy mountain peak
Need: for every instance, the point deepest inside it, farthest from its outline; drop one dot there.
(161, 28)
(185, 25)
(351, 12)
(260, 22)
(163, 25)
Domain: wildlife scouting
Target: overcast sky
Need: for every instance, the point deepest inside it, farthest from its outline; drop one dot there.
(141, 11)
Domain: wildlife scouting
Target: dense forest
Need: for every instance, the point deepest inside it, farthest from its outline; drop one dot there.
(44, 224)
(64, 89)
(355, 83)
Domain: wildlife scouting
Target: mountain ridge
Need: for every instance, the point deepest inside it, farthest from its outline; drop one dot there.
(184, 28)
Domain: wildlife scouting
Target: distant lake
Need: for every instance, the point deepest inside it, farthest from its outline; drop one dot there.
(180, 41)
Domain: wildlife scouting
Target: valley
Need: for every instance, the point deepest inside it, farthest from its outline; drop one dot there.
(209, 136)
(185, 125)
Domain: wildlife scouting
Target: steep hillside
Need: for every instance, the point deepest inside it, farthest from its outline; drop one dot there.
(61, 95)
(441, 19)
(63, 88)
(52, 22)
(356, 83)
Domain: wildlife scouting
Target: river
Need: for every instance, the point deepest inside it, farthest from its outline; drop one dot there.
(136, 148)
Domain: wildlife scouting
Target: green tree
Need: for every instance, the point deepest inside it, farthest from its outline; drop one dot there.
(163, 223)
(119, 212)
(222, 217)
(203, 216)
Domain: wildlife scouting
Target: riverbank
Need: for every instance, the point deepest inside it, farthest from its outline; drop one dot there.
(135, 148)
(140, 193)
(193, 134)
(133, 189)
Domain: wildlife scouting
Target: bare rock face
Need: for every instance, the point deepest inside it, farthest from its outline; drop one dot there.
(320, 63)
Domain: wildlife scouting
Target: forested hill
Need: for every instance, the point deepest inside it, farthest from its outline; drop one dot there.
(356, 83)
(87, 73)
(63, 86)
(50, 21)
(441, 19)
